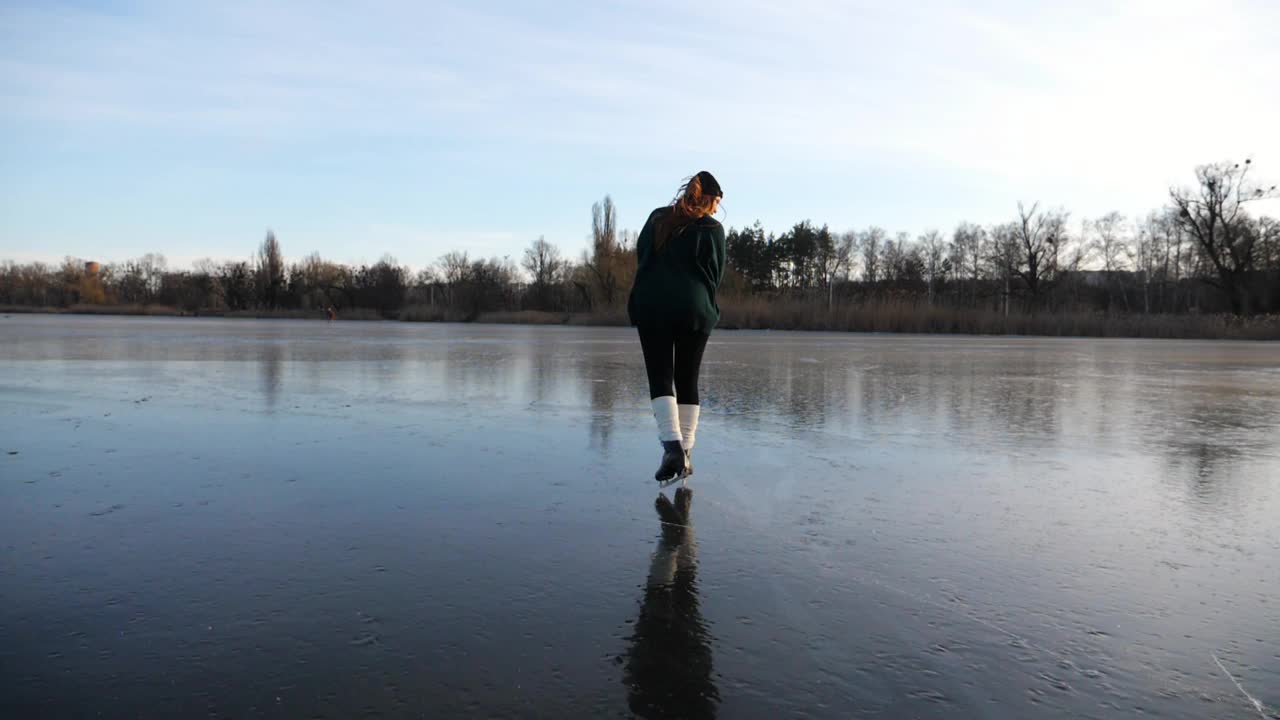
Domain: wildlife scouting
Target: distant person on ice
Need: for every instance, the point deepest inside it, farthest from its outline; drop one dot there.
(680, 260)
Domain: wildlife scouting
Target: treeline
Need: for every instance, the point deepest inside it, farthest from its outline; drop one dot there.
(456, 287)
(1202, 254)
(1034, 263)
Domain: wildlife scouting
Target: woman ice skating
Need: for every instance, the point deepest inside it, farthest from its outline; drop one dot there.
(680, 262)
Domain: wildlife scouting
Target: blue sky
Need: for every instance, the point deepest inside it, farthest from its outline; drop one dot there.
(414, 128)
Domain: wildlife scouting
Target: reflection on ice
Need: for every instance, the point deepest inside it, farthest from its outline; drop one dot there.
(668, 667)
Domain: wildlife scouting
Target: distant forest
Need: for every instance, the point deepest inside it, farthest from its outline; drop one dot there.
(1202, 254)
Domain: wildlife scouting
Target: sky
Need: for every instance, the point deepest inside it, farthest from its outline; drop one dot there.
(358, 130)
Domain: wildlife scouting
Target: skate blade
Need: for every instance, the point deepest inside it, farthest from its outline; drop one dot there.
(664, 484)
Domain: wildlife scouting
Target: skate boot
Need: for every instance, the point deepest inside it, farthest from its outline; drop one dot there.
(688, 465)
(673, 462)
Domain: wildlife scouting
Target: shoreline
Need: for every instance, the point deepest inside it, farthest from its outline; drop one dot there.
(170, 311)
(788, 316)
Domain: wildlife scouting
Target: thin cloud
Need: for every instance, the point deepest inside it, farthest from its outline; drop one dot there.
(1094, 106)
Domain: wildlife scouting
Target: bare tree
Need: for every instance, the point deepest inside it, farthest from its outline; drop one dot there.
(423, 285)
(320, 283)
(893, 255)
(270, 272)
(542, 262)
(205, 273)
(835, 258)
(1112, 248)
(1269, 244)
(871, 241)
(1003, 254)
(455, 268)
(383, 285)
(1214, 215)
(69, 278)
(138, 281)
(490, 284)
(624, 258)
(1169, 240)
(936, 263)
(1040, 236)
(604, 259)
(966, 255)
(1144, 248)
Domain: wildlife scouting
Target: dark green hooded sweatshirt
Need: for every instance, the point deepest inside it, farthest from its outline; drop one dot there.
(675, 288)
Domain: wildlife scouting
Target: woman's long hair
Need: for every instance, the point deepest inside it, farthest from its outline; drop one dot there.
(690, 204)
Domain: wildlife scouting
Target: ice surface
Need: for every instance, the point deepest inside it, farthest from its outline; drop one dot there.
(295, 519)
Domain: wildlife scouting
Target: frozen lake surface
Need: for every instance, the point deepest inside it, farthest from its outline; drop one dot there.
(301, 519)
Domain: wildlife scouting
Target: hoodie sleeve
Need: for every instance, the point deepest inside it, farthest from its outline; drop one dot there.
(644, 241)
(718, 254)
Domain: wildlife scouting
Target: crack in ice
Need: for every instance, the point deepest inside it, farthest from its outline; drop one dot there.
(1257, 704)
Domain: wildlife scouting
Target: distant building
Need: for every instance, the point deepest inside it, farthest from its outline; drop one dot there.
(91, 268)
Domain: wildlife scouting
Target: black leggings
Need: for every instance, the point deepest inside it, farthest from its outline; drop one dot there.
(673, 357)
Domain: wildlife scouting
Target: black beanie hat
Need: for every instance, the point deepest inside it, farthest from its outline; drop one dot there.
(709, 184)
